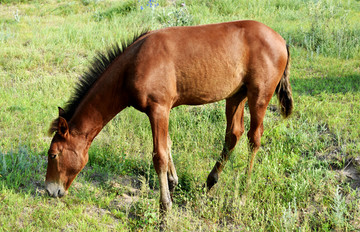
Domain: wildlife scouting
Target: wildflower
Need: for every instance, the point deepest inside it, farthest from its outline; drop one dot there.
(151, 3)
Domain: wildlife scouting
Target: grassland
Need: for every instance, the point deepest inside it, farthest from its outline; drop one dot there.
(306, 176)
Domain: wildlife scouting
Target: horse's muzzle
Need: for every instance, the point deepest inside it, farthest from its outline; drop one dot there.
(55, 190)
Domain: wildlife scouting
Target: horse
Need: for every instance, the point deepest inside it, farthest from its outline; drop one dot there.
(239, 61)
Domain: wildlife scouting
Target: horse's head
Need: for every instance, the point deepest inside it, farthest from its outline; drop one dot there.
(68, 154)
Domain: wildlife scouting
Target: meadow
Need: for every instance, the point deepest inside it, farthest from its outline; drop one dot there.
(306, 176)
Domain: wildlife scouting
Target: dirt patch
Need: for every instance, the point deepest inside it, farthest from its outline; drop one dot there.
(339, 161)
(124, 202)
(352, 173)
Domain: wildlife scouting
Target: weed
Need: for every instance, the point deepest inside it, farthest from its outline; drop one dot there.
(17, 16)
(289, 218)
(339, 210)
(176, 16)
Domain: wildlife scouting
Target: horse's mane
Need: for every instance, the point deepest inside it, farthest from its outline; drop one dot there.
(96, 68)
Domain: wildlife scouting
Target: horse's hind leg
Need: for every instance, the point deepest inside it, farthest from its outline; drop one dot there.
(258, 101)
(234, 130)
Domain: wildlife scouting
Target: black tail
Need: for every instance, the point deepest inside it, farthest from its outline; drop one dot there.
(283, 90)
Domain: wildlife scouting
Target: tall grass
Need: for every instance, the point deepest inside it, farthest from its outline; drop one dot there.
(297, 182)
(328, 31)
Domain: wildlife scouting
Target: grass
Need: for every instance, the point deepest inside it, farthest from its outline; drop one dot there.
(298, 181)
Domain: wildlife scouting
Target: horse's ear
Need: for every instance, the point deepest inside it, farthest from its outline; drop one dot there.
(61, 112)
(63, 127)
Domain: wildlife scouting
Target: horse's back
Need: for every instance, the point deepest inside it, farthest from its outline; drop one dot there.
(208, 63)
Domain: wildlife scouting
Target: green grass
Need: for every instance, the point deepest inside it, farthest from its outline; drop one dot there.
(298, 181)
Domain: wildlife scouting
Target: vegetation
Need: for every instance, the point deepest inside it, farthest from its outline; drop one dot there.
(306, 175)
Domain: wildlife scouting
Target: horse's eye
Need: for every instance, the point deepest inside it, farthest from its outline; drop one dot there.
(52, 156)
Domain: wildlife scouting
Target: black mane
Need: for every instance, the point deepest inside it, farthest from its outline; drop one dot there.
(96, 68)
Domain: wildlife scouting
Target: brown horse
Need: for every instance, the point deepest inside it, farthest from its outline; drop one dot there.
(238, 61)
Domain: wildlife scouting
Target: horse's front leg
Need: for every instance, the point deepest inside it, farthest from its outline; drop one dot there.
(159, 119)
(172, 176)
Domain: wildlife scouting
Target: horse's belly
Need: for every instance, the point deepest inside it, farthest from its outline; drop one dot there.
(199, 90)
(210, 76)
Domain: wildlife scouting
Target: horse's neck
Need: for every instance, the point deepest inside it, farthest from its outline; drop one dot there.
(103, 101)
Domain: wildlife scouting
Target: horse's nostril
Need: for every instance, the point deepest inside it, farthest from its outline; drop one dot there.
(54, 190)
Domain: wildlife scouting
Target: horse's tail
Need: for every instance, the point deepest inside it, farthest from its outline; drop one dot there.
(283, 90)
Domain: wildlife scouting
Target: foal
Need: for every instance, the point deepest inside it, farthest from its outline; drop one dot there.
(238, 61)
